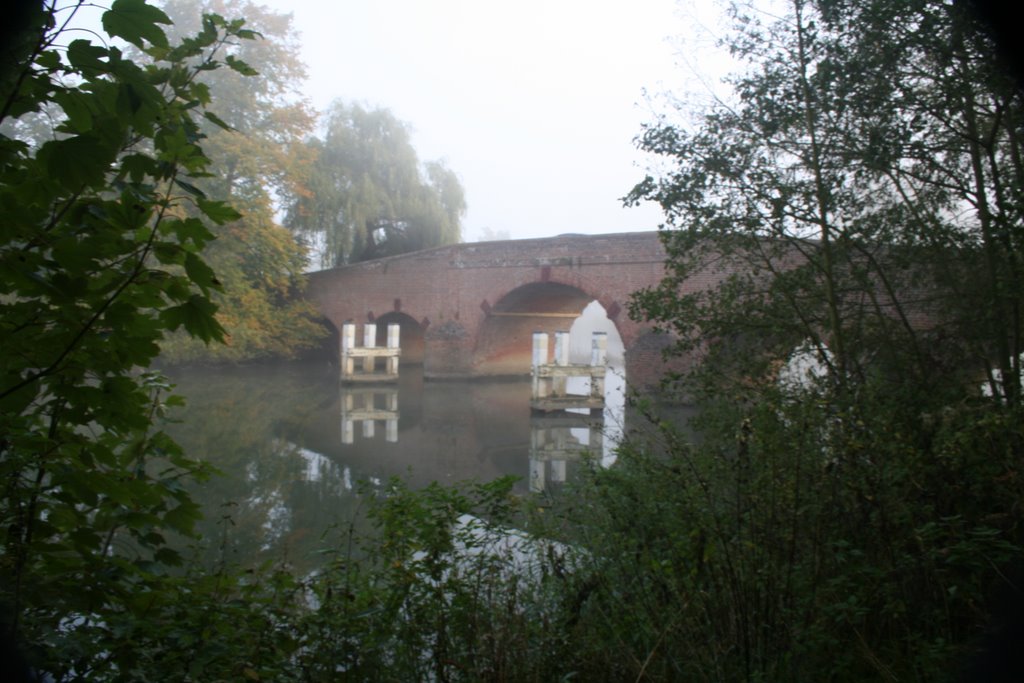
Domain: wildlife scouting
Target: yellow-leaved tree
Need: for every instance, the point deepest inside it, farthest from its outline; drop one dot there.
(258, 155)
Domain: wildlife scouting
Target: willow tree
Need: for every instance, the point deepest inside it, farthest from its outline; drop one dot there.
(368, 196)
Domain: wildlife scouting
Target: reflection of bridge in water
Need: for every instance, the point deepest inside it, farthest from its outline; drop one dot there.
(564, 413)
(457, 431)
(278, 434)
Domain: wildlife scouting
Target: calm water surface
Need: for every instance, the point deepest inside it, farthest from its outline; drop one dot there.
(294, 446)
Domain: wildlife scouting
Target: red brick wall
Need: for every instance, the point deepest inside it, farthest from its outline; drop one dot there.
(452, 291)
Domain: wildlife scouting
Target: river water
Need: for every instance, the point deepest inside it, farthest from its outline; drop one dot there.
(294, 446)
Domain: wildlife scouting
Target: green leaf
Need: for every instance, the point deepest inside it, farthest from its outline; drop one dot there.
(136, 21)
(49, 59)
(188, 230)
(138, 166)
(168, 253)
(84, 54)
(77, 161)
(200, 273)
(168, 557)
(241, 67)
(183, 518)
(197, 317)
(218, 212)
(76, 106)
(172, 142)
(189, 187)
(213, 118)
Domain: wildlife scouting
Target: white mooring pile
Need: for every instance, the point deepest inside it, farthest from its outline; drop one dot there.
(368, 353)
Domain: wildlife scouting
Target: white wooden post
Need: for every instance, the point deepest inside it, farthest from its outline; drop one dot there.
(392, 361)
(540, 357)
(369, 342)
(348, 342)
(561, 358)
(598, 356)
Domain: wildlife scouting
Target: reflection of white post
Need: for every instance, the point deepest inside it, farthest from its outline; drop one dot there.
(391, 402)
(558, 470)
(348, 342)
(561, 358)
(367, 429)
(598, 356)
(369, 341)
(347, 405)
(392, 361)
(540, 357)
(536, 476)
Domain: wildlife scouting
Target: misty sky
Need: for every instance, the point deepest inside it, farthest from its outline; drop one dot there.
(533, 103)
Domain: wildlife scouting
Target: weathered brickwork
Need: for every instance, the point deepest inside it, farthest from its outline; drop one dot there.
(460, 295)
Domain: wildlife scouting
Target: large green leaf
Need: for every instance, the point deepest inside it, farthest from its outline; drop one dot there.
(78, 161)
(136, 21)
(218, 212)
(197, 317)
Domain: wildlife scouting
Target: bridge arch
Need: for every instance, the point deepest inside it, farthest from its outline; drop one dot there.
(470, 300)
(411, 335)
(504, 342)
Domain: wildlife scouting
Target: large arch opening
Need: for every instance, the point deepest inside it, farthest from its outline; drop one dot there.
(410, 336)
(505, 343)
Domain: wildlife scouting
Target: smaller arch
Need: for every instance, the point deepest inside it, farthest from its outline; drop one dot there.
(410, 336)
(328, 348)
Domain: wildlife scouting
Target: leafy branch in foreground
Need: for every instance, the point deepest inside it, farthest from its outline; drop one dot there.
(99, 257)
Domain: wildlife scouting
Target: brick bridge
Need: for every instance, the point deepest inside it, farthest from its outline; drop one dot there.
(469, 310)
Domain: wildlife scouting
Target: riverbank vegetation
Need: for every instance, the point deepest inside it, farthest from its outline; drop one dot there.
(847, 506)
